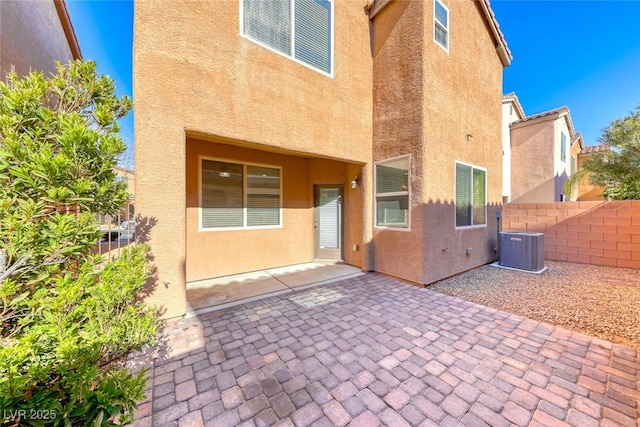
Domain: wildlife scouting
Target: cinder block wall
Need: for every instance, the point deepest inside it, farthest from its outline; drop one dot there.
(601, 233)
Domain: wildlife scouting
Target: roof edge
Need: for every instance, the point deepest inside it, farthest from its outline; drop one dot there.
(375, 6)
(67, 27)
(512, 97)
(556, 113)
(501, 48)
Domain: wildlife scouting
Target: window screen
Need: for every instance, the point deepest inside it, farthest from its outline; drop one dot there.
(392, 193)
(313, 33)
(441, 24)
(301, 29)
(263, 196)
(236, 195)
(221, 194)
(471, 198)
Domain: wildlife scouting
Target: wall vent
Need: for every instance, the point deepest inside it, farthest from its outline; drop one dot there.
(524, 251)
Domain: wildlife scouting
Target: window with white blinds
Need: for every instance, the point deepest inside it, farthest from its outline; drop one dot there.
(441, 24)
(300, 29)
(471, 195)
(392, 179)
(239, 196)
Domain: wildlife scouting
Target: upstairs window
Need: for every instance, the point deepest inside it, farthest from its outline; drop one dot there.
(471, 195)
(392, 192)
(239, 196)
(563, 147)
(441, 24)
(299, 29)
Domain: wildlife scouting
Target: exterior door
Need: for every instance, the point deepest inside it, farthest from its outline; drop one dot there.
(327, 222)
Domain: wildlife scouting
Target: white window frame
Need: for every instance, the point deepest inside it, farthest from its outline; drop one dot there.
(455, 201)
(436, 22)
(244, 196)
(398, 193)
(293, 39)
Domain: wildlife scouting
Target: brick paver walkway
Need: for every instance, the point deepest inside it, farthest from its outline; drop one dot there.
(375, 351)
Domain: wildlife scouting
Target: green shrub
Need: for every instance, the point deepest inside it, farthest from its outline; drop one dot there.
(68, 319)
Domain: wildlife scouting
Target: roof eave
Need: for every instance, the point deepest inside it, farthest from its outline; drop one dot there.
(67, 27)
(513, 98)
(501, 47)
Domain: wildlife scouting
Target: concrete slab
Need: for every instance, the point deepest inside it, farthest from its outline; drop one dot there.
(309, 273)
(222, 292)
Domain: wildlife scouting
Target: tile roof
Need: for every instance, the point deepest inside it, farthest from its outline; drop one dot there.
(503, 50)
(594, 149)
(511, 96)
(562, 111)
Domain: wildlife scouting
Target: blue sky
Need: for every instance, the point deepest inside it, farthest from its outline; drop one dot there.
(105, 32)
(583, 54)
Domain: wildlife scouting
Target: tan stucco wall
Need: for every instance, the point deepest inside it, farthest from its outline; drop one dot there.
(532, 162)
(463, 94)
(538, 173)
(398, 50)
(31, 37)
(193, 70)
(426, 101)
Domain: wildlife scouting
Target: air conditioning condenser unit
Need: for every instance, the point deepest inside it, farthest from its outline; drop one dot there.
(521, 250)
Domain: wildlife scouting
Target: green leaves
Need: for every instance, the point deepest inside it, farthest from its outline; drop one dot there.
(68, 319)
(618, 169)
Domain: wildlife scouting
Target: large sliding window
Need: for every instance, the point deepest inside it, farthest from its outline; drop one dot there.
(239, 196)
(471, 195)
(392, 192)
(299, 29)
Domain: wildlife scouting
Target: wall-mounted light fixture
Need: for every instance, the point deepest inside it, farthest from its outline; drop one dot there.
(355, 182)
(469, 136)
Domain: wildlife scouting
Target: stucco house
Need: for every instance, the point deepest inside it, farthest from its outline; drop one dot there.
(34, 35)
(321, 130)
(512, 111)
(544, 149)
(585, 190)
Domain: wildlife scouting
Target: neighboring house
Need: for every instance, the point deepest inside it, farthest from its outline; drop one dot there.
(128, 177)
(34, 35)
(585, 190)
(512, 111)
(544, 150)
(273, 138)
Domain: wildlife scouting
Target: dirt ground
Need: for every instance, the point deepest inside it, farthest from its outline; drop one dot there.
(595, 300)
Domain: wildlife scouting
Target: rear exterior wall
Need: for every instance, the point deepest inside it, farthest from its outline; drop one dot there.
(194, 72)
(426, 101)
(462, 101)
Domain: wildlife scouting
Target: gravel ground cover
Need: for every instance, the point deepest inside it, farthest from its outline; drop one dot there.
(595, 300)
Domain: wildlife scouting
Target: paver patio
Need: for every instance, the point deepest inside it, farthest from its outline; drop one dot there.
(372, 351)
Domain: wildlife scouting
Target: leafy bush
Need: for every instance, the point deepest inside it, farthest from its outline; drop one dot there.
(617, 168)
(68, 319)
